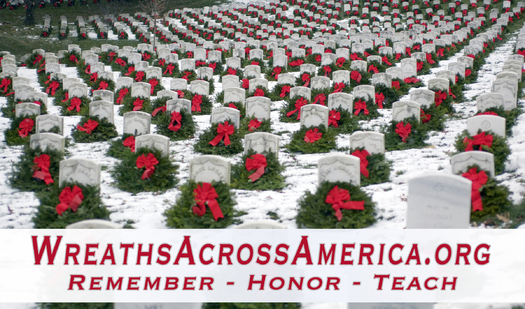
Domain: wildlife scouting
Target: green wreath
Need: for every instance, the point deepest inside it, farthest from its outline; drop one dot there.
(372, 110)
(315, 213)
(378, 169)
(499, 148)
(270, 180)
(104, 131)
(266, 126)
(181, 216)
(186, 131)
(12, 136)
(391, 95)
(206, 105)
(128, 105)
(275, 93)
(347, 123)
(437, 118)
(322, 145)
(203, 146)
(288, 107)
(416, 138)
(117, 148)
(84, 107)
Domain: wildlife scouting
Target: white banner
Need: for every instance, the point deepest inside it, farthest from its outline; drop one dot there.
(262, 266)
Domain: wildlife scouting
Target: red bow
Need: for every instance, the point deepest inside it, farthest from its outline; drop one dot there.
(285, 90)
(87, 70)
(403, 131)
(355, 75)
(232, 71)
(479, 139)
(340, 61)
(373, 68)
(257, 62)
(258, 93)
(169, 69)
(69, 199)
(75, 104)
(440, 97)
(187, 75)
(42, 168)
(333, 118)
(425, 117)
(320, 98)
(88, 127)
(121, 62)
(440, 52)
(121, 94)
(52, 87)
(276, 72)
(5, 83)
(364, 162)
(296, 63)
(488, 113)
(380, 98)
(130, 143)
(66, 97)
(298, 104)
(306, 79)
(256, 162)
(360, 106)
(327, 70)
(189, 54)
(245, 83)
(103, 85)
(398, 56)
(180, 94)
(338, 87)
(38, 58)
(312, 135)
(408, 51)
(153, 82)
(206, 195)
(395, 84)
(157, 110)
(411, 80)
(137, 105)
(385, 60)
(223, 131)
(149, 163)
(340, 199)
(196, 103)
(25, 127)
(139, 76)
(478, 180)
(355, 57)
(200, 63)
(318, 58)
(93, 77)
(175, 117)
(468, 72)
(429, 59)
(73, 58)
(254, 125)
(130, 71)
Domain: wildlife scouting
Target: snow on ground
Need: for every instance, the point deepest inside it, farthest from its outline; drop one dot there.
(146, 209)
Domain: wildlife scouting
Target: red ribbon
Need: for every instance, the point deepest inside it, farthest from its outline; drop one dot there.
(429, 59)
(196, 102)
(73, 58)
(157, 110)
(318, 58)
(121, 62)
(478, 180)
(338, 87)
(5, 83)
(175, 117)
(42, 168)
(296, 63)
(88, 69)
(340, 199)
(312, 135)
(212, 65)
(38, 58)
(258, 93)
(200, 63)
(306, 79)
(468, 72)
(395, 84)
(320, 98)
(25, 127)
(189, 54)
(373, 68)
(411, 80)
(364, 162)
(103, 85)
(130, 143)
(360, 106)
(223, 131)
(403, 131)
(206, 195)
(298, 104)
(276, 72)
(121, 94)
(425, 117)
(130, 71)
(254, 125)
(285, 90)
(88, 127)
(149, 163)
(355, 75)
(137, 104)
(187, 75)
(408, 51)
(180, 94)
(153, 82)
(479, 139)
(139, 76)
(74, 104)
(380, 98)
(333, 118)
(440, 52)
(440, 97)
(327, 70)
(169, 69)
(69, 199)
(258, 163)
(340, 62)
(53, 86)
(232, 71)
(355, 57)
(93, 77)
(385, 60)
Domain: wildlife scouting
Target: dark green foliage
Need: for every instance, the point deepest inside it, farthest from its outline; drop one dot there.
(181, 216)
(22, 175)
(206, 105)
(324, 144)
(348, 123)
(447, 103)
(96, 85)
(117, 148)
(12, 136)
(90, 208)
(500, 149)
(390, 94)
(251, 306)
(437, 118)
(103, 132)
(157, 103)
(186, 131)
(128, 176)
(378, 169)
(128, 104)
(270, 180)
(416, 138)
(372, 110)
(288, 107)
(315, 213)
(203, 146)
(266, 126)
(84, 107)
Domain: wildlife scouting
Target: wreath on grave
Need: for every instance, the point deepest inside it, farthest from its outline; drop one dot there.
(21, 129)
(156, 85)
(135, 104)
(74, 106)
(443, 99)
(177, 125)
(303, 80)
(385, 96)
(342, 121)
(217, 67)
(294, 64)
(71, 203)
(423, 67)
(238, 106)
(36, 170)
(365, 109)
(251, 306)
(108, 57)
(489, 198)
(340, 87)
(485, 141)
(188, 75)
(168, 69)
(258, 172)
(122, 146)
(145, 170)
(433, 118)
(103, 84)
(158, 107)
(121, 94)
(326, 70)
(374, 167)
(259, 62)
(358, 77)
(121, 65)
(342, 63)
(71, 59)
(197, 207)
(34, 61)
(200, 104)
(93, 129)
(232, 71)
(252, 125)
(320, 96)
(9, 111)
(291, 112)
(43, 79)
(312, 140)
(510, 116)
(273, 75)
(375, 67)
(314, 59)
(405, 134)
(221, 139)
(403, 86)
(259, 91)
(336, 205)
